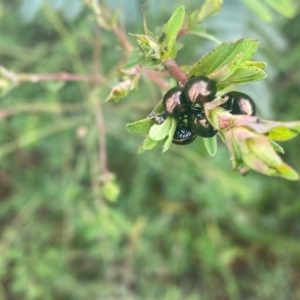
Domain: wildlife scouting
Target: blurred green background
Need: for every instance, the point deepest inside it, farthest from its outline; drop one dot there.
(185, 226)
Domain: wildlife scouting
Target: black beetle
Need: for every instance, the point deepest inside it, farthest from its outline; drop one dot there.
(239, 104)
(200, 89)
(174, 102)
(199, 124)
(183, 135)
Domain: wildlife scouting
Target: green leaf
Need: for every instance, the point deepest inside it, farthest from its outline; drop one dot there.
(284, 132)
(287, 172)
(244, 75)
(141, 126)
(159, 132)
(285, 7)
(208, 8)
(148, 143)
(226, 54)
(260, 9)
(168, 37)
(277, 147)
(211, 145)
(169, 139)
(258, 64)
(279, 131)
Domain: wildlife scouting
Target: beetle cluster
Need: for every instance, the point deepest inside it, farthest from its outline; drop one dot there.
(186, 105)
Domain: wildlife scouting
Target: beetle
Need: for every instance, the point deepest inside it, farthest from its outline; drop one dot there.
(239, 104)
(183, 135)
(199, 124)
(174, 102)
(200, 89)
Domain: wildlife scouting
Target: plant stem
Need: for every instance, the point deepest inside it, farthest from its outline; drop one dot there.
(175, 71)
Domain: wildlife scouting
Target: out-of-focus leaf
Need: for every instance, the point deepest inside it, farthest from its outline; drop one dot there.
(226, 54)
(168, 37)
(285, 132)
(287, 8)
(208, 8)
(277, 147)
(260, 9)
(211, 145)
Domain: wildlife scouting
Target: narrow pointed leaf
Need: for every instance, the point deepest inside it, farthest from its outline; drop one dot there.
(208, 8)
(284, 132)
(169, 139)
(226, 53)
(168, 37)
(287, 172)
(244, 75)
(211, 145)
(258, 64)
(260, 9)
(277, 147)
(287, 8)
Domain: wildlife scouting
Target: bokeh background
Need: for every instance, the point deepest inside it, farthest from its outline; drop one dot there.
(184, 225)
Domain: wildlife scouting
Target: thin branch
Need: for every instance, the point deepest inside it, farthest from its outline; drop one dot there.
(157, 78)
(121, 36)
(98, 113)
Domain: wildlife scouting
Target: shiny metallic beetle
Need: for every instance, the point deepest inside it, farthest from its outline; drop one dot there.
(239, 104)
(183, 135)
(200, 89)
(174, 102)
(199, 124)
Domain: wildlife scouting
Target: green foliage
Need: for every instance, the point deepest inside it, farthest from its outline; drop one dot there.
(227, 64)
(287, 8)
(172, 226)
(167, 40)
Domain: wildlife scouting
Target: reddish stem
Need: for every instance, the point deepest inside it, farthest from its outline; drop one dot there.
(175, 71)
